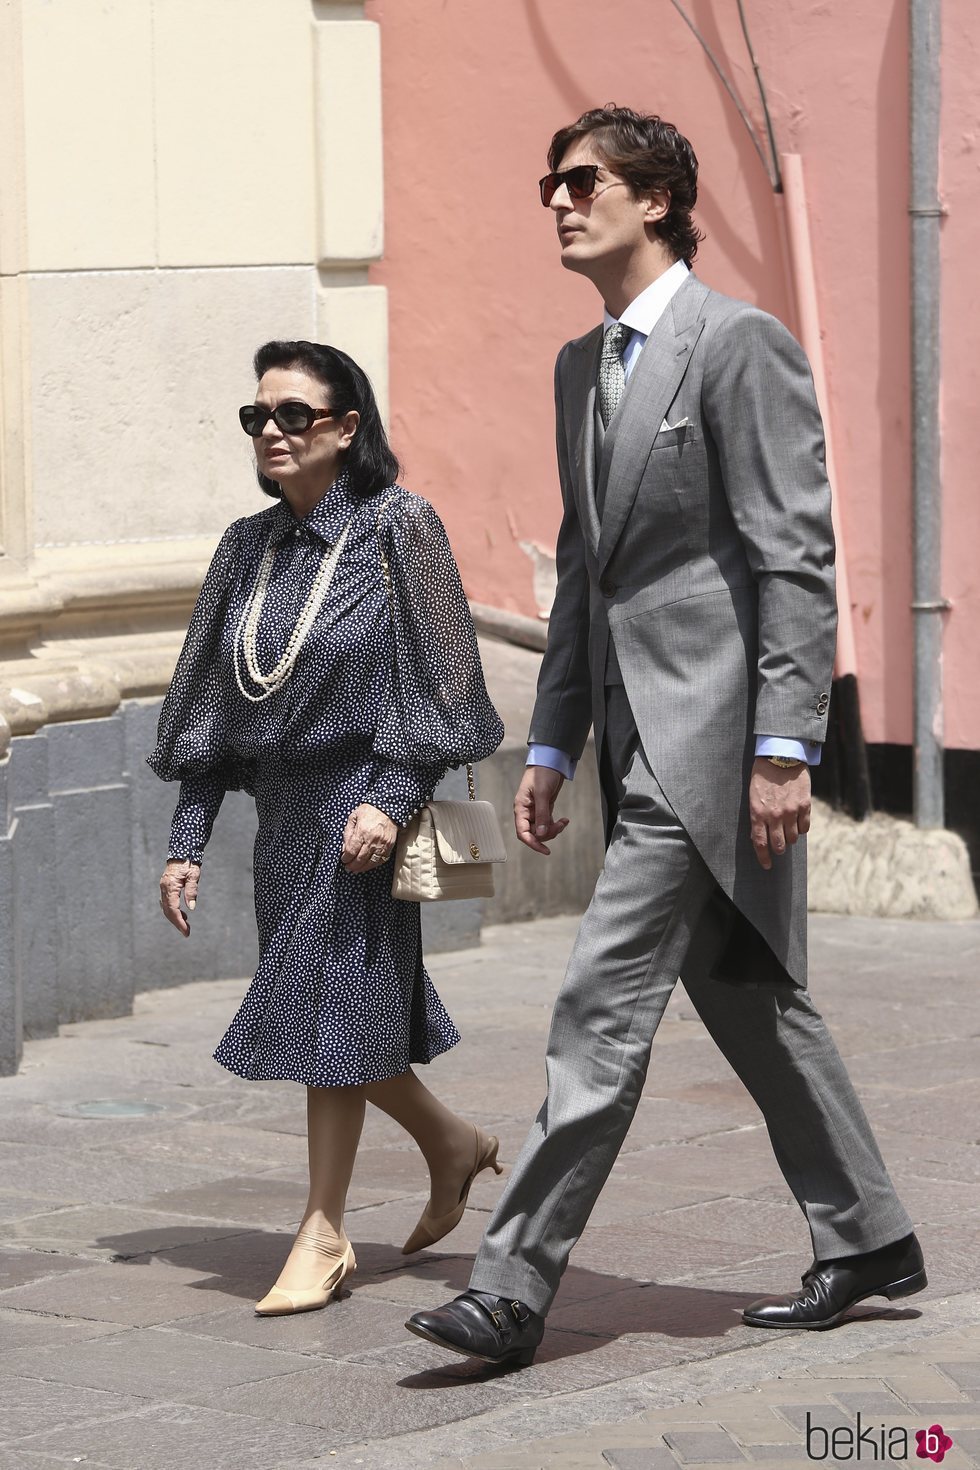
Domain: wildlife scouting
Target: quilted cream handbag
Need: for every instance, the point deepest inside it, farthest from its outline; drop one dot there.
(448, 851)
(448, 848)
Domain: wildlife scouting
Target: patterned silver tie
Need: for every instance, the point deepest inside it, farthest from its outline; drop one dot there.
(612, 373)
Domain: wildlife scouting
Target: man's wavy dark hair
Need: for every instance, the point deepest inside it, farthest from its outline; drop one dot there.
(649, 154)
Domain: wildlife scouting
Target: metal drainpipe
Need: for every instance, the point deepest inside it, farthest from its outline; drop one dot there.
(928, 604)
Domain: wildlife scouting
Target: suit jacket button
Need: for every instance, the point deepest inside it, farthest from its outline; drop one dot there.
(607, 586)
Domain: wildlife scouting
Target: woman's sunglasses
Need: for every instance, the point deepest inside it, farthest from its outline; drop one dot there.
(579, 181)
(289, 418)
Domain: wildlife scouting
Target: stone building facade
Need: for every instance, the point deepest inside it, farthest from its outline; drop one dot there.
(178, 182)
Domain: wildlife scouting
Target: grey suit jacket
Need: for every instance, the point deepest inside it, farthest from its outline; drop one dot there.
(712, 570)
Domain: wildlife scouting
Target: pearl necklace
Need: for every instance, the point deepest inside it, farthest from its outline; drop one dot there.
(248, 624)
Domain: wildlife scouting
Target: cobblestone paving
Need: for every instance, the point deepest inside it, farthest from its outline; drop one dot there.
(147, 1200)
(867, 1409)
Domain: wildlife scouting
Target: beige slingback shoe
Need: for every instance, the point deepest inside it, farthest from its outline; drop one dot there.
(433, 1227)
(281, 1303)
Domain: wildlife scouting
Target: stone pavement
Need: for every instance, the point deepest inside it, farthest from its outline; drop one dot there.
(148, 1199)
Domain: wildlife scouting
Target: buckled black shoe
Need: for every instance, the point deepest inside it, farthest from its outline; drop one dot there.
(477, 1325)
(831, 1287)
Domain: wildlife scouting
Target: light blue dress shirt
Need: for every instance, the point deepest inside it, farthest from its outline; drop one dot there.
(641, 316)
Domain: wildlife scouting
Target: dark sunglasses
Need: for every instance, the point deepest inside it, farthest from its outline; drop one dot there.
(290, 418)
(579, 181)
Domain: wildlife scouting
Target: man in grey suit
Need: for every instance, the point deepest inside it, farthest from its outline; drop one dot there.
(693, 627)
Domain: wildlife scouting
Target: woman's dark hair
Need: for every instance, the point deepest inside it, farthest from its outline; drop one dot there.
(370, 463)
(649, 154)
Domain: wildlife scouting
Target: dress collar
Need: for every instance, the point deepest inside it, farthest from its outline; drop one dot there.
(325, 521)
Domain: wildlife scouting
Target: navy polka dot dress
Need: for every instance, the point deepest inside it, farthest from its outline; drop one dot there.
(381, 702)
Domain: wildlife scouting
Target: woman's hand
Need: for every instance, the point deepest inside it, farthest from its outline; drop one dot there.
(179, 878)
(369, 839)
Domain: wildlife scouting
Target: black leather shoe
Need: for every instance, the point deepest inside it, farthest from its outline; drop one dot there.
(831, 1287)
(478, 1325)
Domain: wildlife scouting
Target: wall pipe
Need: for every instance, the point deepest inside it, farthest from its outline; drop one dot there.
(928, 602)
(797, 230)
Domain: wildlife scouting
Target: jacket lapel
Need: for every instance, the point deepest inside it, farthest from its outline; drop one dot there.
(579, 404)
(651, 389)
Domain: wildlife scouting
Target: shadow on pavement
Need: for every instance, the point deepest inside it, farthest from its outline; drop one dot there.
(592, 1311)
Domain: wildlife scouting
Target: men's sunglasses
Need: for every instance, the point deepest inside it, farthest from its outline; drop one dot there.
(289, 418)
(579, 181)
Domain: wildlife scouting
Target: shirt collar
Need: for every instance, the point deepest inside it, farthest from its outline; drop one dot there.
(645, 310)
(327, 518)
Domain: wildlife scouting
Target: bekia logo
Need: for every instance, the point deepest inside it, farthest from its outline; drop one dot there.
(868, 1442)
(932, 1443)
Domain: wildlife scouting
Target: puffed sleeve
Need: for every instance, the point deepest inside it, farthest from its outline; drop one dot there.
(437, 712)
(193, 739)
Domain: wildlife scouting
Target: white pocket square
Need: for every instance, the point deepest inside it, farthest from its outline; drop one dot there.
(665, 427)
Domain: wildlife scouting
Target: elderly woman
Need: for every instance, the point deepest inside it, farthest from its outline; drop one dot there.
(330, 669)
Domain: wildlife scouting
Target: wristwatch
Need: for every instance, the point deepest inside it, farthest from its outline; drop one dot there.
(784, 762)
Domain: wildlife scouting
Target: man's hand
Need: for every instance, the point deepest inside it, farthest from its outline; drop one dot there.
(779, 807)
(369, 839)
(534, 808)
(179, 878)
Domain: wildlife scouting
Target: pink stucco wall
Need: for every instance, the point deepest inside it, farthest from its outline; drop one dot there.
(479, 304)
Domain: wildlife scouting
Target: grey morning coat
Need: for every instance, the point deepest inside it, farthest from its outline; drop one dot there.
(712, 571)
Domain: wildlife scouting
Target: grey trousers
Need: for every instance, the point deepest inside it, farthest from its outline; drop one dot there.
(655, 914)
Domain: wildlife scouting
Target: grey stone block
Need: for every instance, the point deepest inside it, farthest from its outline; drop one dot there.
(640, 1457)
(84, 755)
(939, 1413)
(454, 925)
(18, 1267)
(343, 1398)
(784, 1454)
(14, 1457)
(95, 1175)
(529, 886)
(823, 1416)
(34, 855)
(354, 1325)
(11, 1022)
(968, 1440)
(32, 1330)
(223, 941)
(876, 1402)
(703, 1446)
(16, 1206)
(249, 1198)
(93, 879)
(108, 1232)
(169, 1435)
(28, 1403)
(164, 1367)
(94, 912)
(139, 1294)
(965, 1374)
